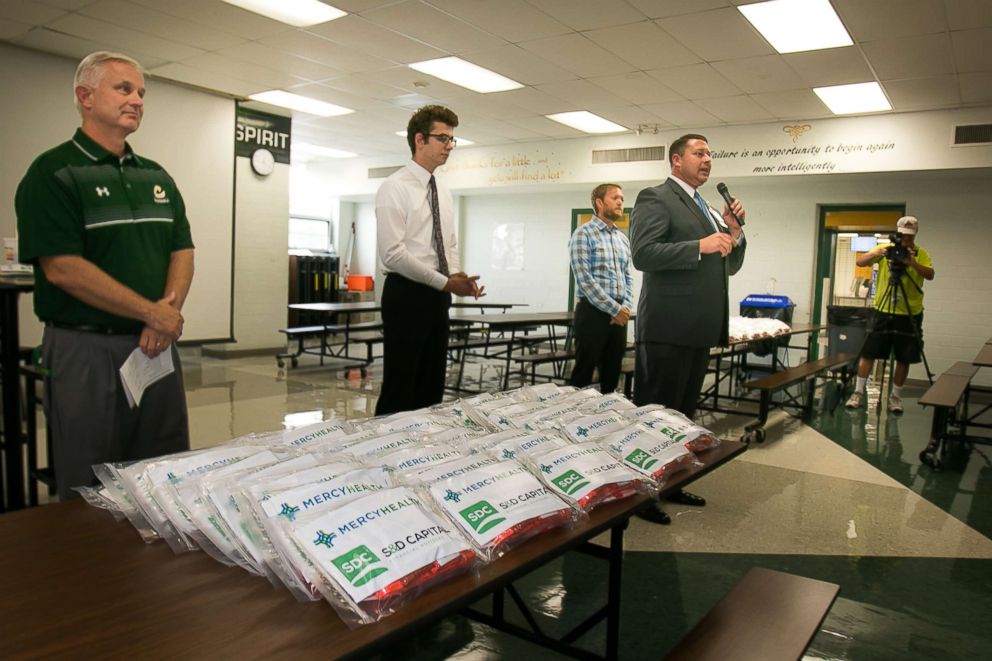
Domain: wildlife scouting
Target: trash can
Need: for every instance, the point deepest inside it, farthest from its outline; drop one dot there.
(767, 306)
(848, 328)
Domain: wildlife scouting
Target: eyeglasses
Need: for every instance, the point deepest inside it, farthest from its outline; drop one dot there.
(444, 138)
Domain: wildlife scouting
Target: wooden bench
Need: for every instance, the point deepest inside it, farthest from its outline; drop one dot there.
(776, 381)
(945, 395)
(330, 335)
(555, 358)
(768, 616)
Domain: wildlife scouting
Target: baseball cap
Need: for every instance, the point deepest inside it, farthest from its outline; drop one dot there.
(908, 225)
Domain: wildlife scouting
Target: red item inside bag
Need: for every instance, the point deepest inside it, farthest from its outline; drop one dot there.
(392, 596)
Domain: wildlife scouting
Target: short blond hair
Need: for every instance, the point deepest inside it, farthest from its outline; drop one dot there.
(90, 70)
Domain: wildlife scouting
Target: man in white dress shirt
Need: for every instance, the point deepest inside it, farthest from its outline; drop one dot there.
(419, 253)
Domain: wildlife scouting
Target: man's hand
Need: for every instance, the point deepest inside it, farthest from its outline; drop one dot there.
(621, 317)
(728, 217)
(718, 242)
(461, 284)
(165, 319)
(153, 343)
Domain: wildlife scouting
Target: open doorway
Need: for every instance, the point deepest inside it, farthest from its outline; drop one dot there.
(844, 231)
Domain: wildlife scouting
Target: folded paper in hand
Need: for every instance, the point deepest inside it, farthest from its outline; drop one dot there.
(139, 371)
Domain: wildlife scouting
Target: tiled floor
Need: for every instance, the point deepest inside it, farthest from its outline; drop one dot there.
(844, 500)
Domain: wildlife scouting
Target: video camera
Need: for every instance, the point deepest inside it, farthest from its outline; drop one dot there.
(897, 254)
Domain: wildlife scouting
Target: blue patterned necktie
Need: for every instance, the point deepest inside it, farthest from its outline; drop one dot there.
(706, 212)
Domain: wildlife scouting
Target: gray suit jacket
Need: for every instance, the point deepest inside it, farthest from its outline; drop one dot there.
(684, 299)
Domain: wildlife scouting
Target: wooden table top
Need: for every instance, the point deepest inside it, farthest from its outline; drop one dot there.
(76, 583)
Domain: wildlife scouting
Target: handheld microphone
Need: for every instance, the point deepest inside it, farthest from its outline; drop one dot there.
(721, 188)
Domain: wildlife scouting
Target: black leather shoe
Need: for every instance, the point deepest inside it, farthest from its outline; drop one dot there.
(683, 497)
(655, 515)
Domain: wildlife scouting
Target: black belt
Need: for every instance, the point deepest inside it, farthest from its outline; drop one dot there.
(90, 328)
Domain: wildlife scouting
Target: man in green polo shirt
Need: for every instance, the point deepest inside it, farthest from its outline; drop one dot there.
(108, 235)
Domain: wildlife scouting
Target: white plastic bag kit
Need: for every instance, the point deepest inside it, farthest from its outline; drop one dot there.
(529, 444)
(415, 459)
(587, 475)
(589, 427)
(452, 468)
(649, 452)
(676, 426)
(384, 444)
(320, 433)
(374, 554)
(611, 402)
(499, 506)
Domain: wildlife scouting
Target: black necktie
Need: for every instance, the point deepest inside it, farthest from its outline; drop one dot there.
(436, 237)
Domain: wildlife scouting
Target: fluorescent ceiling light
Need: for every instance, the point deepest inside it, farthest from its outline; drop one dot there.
(859, 97)
(300, 13)
(306, 149)
(792, 26)
(584, 120)
(458, 71)
(301, 103)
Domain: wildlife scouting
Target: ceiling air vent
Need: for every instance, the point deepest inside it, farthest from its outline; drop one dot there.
(628, 155)
(973, 134)
(382, 173)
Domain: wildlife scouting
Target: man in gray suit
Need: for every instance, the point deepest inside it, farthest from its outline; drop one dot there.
(687, 252)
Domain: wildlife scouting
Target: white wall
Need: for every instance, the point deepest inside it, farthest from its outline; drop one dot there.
(781, 229)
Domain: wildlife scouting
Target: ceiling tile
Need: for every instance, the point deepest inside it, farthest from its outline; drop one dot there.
(151, 21)
(696, 81)
(418, 82)
(127, 41)
(886, 19)
(361, 84)
(655, 9)
(588, 14)
(32, 13)
(577, 54)
(720, 34)
(255, 53)
(235, 20)
(311, 47)
(830, 66)
(486, 106)
(360, 35)
(236, 69)
(636, 88)
(74, 47)
(518, 64)
(976, 87)
(644, 44)
(923, 93)
(12, 29)
(546, 127)
(338, 97)
(431, 26)
(767, 73)
(210, 80)
(792, 104)
(531, 99)
(683, 113)
(68, 5)
(922, 55)
(736, 109)
(513, 20)
(972, 49)
(576, 92)
(632, 117)
(968, 14)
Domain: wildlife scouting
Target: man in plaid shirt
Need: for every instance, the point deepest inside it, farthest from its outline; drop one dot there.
(600, 257)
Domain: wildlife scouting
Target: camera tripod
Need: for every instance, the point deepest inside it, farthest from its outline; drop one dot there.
(888, 304)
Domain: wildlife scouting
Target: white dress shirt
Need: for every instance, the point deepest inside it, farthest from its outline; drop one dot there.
(405, 227)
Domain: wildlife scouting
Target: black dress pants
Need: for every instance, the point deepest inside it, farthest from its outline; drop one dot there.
(670, 375)
(598, 344)
(415, 345)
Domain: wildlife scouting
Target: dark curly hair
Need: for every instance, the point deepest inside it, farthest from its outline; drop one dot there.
(424, 119)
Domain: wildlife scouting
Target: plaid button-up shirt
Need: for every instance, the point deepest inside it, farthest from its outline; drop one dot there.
(600, 257)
